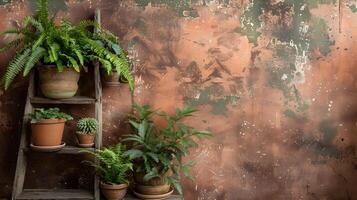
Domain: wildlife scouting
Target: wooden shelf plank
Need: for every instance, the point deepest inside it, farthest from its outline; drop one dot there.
(172, 197)
(73, 100)
(65, 150)
(57, 194)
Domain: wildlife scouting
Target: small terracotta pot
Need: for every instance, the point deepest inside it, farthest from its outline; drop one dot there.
(112, 79)
(47, 132)
(113, 192)
(85, 138)
(58, 85)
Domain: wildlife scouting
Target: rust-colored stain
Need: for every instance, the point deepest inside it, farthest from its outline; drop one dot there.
(274, 81)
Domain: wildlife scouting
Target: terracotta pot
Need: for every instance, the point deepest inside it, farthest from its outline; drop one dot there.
(112, 79)
(58, 85)
(113, 192)
(85, 138)
(47, 132)
(152, 190)
(154, 186)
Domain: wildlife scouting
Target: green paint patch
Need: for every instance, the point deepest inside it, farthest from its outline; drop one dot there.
(54, 5)
(4, 2)
(353, 8)
(251, 20)
(213, 96)
(329, 131)
(319, 36)
(181, 7)
(315, 3)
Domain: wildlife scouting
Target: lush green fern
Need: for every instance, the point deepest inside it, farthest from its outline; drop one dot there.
(64, 45)
(113, 167)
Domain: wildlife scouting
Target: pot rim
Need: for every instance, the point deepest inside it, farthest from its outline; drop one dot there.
(81, 133)
(53, 67)
(113, 187)
(50, 121)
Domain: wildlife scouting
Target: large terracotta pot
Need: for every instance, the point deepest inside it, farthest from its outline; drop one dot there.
(85, 139)
(47, 132)
(154, 186)
(113, 192)
(58, 85)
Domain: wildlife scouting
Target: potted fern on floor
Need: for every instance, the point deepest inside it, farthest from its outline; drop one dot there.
(58, 51)
(113, 169)
(157, 152)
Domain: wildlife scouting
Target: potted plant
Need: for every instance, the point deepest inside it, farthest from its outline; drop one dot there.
(112, 75)
(113, 169)
(86, 131)
(47, 126)
(58, 51)
(157, 152)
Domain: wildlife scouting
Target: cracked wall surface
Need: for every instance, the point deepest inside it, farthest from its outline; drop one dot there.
(274, 81)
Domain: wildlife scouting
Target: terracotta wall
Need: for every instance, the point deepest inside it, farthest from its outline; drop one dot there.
(274, 80)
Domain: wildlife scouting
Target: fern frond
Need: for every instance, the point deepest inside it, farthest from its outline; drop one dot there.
(121, 65)
(29, 20)
(73, 62)
(12, 31)
(39, 41)
(34, 58)
(59, 65)
(15, 67)
(42, 11)
(88, 23)
(11, 44)
(105, 64)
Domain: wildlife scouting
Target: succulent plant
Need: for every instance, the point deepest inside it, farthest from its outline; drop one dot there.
(87, 126)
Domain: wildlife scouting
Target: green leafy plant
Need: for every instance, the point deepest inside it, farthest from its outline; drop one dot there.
(113, 167)
(156, 151)
(87, 126)
(51, 113)
(109, 41)
(63, 45)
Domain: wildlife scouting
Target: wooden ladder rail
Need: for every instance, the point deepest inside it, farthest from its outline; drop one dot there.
(98, 109)
(21, 163)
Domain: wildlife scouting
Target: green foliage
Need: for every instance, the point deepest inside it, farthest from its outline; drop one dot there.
(63, 45)
(51, 113)
(113, 166)
(159, 150)
(87, 126)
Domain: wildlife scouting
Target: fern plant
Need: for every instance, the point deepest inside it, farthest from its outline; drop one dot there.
(64, 45)
(113, 167)
(87, 126)
(155, 150)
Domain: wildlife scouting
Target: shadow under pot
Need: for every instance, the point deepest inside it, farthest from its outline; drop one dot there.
(58, 85)
(47, 132)
(113, 192)
(85, 139)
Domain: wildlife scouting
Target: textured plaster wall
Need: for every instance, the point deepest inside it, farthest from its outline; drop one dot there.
(274, 80)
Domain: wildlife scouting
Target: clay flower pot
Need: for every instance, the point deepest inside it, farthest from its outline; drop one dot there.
(58, 85)
(85, 140)
(113, 192)
(112, 79)
(155, 186)
(47, 132)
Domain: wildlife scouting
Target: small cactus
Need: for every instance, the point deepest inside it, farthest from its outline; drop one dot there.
(87, 126)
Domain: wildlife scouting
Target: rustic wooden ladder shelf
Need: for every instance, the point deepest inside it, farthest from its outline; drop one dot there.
(76, 194)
